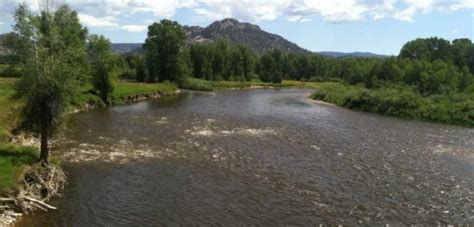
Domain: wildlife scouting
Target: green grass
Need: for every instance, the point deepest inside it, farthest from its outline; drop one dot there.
(122, 91)
(7, 107)
(401, 101)
(13, 160)
(83, 96)
(204, 85)
(126, 89)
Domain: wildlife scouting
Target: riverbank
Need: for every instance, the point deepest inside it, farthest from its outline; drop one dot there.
(204, 85)
(401, 101)
(23, 181)
(19, 153)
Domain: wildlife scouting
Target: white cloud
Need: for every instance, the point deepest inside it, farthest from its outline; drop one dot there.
(134, 27)
(333, 11)
(336, 11)
(98, 22)
(406, 15)
(426, 6)
(244, 10)
(110, 13)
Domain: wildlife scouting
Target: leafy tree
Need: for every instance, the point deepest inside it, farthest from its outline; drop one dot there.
(201, 60)
(220, 60)
(302, 68)
(429, 49)
(265, 69)
(247, 61)
(417, 49)
(270, 67)
(102, 63)
(140, 70)
(163, 48)
(461, 52)
(52, 46)
(277, 56)
(235, 66)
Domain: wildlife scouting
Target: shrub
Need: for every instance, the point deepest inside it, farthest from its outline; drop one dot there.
(402, 101)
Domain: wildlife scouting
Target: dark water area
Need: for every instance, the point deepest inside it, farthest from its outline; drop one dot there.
(259, 157)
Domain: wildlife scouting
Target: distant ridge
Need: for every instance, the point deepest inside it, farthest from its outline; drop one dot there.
(125, 48)
(247, 34)
(352, 54)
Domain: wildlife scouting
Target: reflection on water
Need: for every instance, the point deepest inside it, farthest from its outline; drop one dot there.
(259, 157)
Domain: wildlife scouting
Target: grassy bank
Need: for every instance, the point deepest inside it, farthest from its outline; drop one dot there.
(204, 85)
(123, 91)
(7, 106)
(401, 101)
(14, 158)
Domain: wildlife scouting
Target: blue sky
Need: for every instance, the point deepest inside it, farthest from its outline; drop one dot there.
(378, 26)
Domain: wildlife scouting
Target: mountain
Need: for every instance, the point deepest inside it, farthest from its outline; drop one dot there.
(124, 48)
(243, 33)
(352, 54)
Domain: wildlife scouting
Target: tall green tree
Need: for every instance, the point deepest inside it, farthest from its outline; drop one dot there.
(102, 65)
(140, 69)
(461, 52)
(163, 48)
(417, 49)
(247, 62)
(52, 46)
(270, 67)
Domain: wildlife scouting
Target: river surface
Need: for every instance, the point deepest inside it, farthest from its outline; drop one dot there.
(259, 157)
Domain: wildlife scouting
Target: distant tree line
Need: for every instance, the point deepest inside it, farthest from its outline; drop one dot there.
(431, 65)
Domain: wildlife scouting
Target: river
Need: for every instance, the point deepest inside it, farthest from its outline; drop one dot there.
(259, 157)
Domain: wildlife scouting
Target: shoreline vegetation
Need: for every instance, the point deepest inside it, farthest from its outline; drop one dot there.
(400, 101)
(205, 85)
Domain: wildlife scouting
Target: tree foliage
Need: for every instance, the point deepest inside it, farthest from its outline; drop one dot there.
(102, 65)
(52, 49)
(163, 47)
(222, 61)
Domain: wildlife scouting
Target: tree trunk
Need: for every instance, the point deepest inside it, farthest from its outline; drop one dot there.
(44, 152)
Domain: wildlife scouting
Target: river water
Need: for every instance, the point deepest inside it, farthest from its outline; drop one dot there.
(259, 157)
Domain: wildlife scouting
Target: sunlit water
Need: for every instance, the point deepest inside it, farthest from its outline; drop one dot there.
(265, 157)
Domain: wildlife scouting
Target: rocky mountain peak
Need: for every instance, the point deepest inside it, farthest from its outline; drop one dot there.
(241, 33)
(232, 24)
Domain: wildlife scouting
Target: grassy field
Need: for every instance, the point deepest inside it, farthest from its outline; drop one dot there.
(204, 85)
